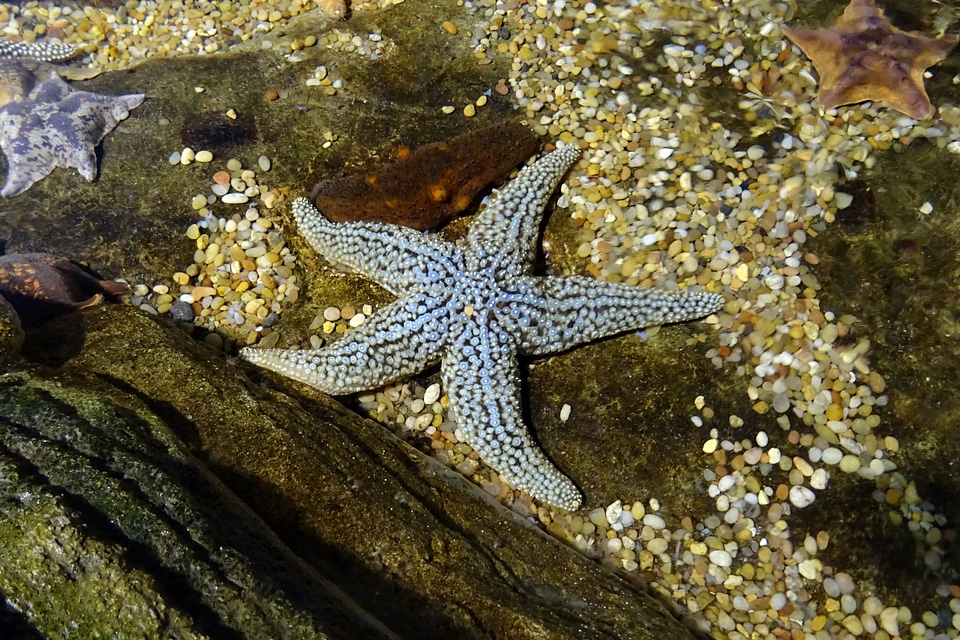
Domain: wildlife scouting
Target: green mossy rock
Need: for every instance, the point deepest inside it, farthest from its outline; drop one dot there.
(143, 468)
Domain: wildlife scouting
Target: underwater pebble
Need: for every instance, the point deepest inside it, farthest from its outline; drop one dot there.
(801, 497)
(721, 558)
(432, 394)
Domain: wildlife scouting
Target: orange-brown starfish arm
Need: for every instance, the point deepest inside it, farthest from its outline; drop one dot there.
(901, 89)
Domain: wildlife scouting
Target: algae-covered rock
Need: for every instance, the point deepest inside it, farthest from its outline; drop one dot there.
(224, 506)
(11, 333)
(109, 527)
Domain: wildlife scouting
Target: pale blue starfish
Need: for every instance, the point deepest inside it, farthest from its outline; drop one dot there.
(474, 306)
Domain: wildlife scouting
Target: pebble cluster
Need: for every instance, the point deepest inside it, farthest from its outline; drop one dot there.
(242, 275)
(117, 35)
(672, 193)
(372, 45)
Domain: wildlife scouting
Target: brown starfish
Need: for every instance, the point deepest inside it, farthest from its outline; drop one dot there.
(864, 57)
(426, 187)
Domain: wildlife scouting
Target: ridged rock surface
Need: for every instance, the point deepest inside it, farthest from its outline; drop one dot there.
(148, 488)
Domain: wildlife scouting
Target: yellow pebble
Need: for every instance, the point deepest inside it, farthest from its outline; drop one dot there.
(834, 412)
(469, 111)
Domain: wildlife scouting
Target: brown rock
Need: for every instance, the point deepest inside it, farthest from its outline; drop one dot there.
(430, 185)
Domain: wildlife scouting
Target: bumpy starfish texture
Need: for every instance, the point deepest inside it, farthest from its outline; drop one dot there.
(864, 57)
(47, 51)
(474, 306)
(56, 126)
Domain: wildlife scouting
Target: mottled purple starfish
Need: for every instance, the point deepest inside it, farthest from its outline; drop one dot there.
(44, 123)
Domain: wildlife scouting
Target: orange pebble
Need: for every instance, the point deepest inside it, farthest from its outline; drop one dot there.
(221, 177)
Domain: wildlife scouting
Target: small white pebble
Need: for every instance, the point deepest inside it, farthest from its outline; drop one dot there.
(613, 512)
(721, 558)
(819, 479)
(848, 603)
(801, 496)
(726, 482)
(235, 198)
(654, 521)
(831, 455)
(831, 587)
(432, 393)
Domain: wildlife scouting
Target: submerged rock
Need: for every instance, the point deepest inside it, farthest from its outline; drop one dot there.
(221, 507)
(430, 185)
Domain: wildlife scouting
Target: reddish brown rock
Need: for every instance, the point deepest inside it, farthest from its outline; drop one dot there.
(430, 185)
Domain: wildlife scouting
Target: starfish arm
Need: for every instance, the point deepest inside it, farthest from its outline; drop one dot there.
(505, 233)
(394, 342)
(820, 45)
(555, 314)
(27, 162)
(933, 50)
(480, 377)
(396, 257)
